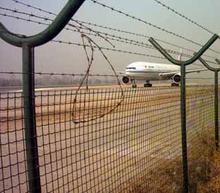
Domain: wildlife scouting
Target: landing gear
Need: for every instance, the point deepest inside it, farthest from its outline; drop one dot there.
(133, 83)
(147, 84)
(134, 86)
(174, 84)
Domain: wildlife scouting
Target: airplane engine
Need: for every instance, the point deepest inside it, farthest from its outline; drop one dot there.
(176, 78)
(125, 79)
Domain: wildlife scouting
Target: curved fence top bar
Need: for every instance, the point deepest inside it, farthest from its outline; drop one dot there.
(208, 66)
(187, 62)
(48, 34)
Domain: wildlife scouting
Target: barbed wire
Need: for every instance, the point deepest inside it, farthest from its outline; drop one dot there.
(118, 30)
(150, 24)
(91, 45)
(53, 14)
(137, 43)
(109, 49)
(120, 51)
(132, 33)
(48, 19)
(142, 35)
(96, 25)
(25, 13)
(95, 33)
(24, 19)
(34, 7)
(35, 16)
(126, 40)
(183, 16)
(90, 59)
(57, 74)
(105, 48)
(132, 42)
(71, 43)
(109, 36)
(77, 75)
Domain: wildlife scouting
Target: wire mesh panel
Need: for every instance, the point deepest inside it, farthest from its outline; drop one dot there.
(103, 139)
(200, 131)
(13, 171)
(200, 112)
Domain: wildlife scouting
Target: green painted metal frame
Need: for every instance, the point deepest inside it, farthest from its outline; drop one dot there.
(28, 44)
(183, 65)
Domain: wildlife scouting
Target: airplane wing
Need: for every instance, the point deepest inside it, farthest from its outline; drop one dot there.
(196, 70)
(121, 73)
(170, 74)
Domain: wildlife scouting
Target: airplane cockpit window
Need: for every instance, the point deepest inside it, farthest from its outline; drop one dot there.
(131, 68)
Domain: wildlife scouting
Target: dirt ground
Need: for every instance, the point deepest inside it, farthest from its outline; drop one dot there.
(212, 183)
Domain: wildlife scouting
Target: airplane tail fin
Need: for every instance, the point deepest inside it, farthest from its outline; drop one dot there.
(180, 55)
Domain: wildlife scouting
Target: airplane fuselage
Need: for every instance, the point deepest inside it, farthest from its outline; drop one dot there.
(149, 71)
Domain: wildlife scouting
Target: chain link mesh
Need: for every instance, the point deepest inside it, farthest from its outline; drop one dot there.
(134, 148)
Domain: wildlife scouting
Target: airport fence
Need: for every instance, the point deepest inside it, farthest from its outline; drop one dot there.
(105, 140)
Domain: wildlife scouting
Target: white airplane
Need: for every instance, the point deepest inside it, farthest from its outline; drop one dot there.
(153, 71)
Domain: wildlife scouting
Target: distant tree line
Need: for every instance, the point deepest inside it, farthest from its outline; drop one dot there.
(57, 81)
(4, 82)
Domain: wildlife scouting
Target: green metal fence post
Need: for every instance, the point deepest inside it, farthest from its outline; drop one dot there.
(30, 119)
(217, 105)
(183, 130)
(28, 44)
(182, 65)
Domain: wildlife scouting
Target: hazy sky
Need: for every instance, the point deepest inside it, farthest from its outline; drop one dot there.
(54, 57)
